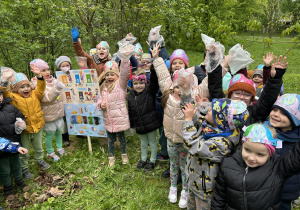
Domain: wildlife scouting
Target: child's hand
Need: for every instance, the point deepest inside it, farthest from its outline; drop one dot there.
(22, 150)
(200, 99)
(278, 64)
(225, 61)
(82, 62)
(35, 70)
(155, 51)
(268, 59)
(103, 106)
(189, 112)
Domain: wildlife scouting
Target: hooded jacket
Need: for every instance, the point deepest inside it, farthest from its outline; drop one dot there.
(141, 107)
(8, 115)
(241, 187)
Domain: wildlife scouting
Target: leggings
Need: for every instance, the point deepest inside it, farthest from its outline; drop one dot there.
(111, 142)
(49, 139)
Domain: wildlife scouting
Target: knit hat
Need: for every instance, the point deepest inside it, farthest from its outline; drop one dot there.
(146, 56)
(40, 64)
(259, 70)
(20, 79)
(250, 73)
(289, 104)
(138, 49)
(141, 78)
(259, 133)
(240, 82)
(111, 66)
(103, 44)
(93, 51)
(179, 54)
(60, 60)
(229, 114)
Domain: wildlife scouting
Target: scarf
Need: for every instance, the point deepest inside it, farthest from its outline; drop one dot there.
(210, 131)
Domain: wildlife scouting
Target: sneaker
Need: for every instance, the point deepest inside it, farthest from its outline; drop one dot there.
(27, 174)
(43, 164)
(149, 167)
(53, 156)
(125, 159)
(8, 192)
(111, 161)
(166, 173)
(162, 157)
(141, 164)
(183, 200)
(173, 195)
(61, 152)
(22, 185)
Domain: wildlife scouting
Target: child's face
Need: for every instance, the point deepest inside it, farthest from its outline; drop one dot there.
(146, 64)
(65, 65)
(137, 56)
(258, 80)
(279, 120)
(46, 73)
(242, 95)
(255, 154)
(138, 86)
(176, 92)
(1, 98)
(111, 77)
(177, 64)
(209, 118)
(24, 90)
(102, 52)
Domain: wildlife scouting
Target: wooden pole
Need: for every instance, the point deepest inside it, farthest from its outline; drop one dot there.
(89, 143)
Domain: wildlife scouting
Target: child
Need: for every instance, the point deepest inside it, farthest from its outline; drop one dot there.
(63, 63)
(53, 108)
(138, 51)
(209, 139)
(285, 118)
(28, 102)
(146, 63)
(143, 116)
(11, 125)
(112, 101)
(253, 177)
(95, 61)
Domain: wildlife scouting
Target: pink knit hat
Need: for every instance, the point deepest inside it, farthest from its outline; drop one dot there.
(240, 82)
(40, 64)
(179, 54)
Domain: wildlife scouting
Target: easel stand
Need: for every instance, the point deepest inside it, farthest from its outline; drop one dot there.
(90, 144)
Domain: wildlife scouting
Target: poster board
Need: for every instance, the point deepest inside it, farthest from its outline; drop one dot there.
(80, 96)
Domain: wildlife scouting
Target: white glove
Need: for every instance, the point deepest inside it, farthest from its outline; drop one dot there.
(6, 75)
(20, 125)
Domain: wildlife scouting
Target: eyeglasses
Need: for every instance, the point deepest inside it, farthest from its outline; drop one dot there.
(145, 63)
(239, 94)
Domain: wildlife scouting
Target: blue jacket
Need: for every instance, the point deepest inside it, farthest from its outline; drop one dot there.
(8, 146)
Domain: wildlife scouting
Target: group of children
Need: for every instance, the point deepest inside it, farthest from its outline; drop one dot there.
(217, 121)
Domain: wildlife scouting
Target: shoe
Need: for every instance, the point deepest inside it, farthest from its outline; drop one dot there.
(61, 152)
(141, 164)
(173, 195)
(66, 139)
(149, 167)
(125, 159)
(8, 192)
(111, 161)
(162, 157)
(166, 173)
(22, 185)
(44, 164)
(183, 200)
(27, 174)
(53, 156)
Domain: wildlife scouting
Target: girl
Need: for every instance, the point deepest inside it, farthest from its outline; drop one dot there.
(53, 109)
(143, 116)
(146, 63)
(112, 101)
(253, 177)
(28, 102)
(63, 63)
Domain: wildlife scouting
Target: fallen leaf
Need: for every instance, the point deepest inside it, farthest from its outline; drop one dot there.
(26, 196)
(57, 177)
(86, 177)
(80, 170)
(103, 163)
(90, 181)
(42, 198)
(55, 192)
(95, 176)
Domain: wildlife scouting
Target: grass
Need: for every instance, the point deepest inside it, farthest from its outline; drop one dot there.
(123, 186)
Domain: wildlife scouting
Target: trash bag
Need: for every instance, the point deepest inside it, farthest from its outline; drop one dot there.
(238, 59)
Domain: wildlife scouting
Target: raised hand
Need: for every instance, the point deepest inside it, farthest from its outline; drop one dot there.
(35, 70)
(278, 64)
(268, 59)
(7, 74)
(189, 112)
(125, 51)
(75, 34)
(199, 99)
(103, 106)
(155, 51)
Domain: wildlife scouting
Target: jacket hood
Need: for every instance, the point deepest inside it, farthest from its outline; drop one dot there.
(6, 100)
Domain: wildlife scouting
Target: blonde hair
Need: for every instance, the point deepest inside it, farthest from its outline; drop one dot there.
(165, 97)
(139, 72)
(103, 83)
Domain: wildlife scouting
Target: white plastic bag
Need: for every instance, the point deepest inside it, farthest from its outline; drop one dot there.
(207, 40)
(20, 125)
(186, 80)
(125, 51)
(203, 107)
(238, 59)
(82, 62)
(7, 75)
(155, 37)
(129, 38)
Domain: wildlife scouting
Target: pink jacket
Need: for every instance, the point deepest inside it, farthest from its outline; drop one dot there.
(52, 100)
(173, 115)
(115, 116)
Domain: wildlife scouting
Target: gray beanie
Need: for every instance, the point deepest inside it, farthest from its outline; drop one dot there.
(60, 60)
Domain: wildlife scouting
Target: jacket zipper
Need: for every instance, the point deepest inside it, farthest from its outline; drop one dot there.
(203, 182)
(174, 120)
(108, 112)
(244, 186)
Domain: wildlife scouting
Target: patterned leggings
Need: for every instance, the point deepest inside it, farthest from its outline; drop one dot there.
(111, 142)
(177, 154)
